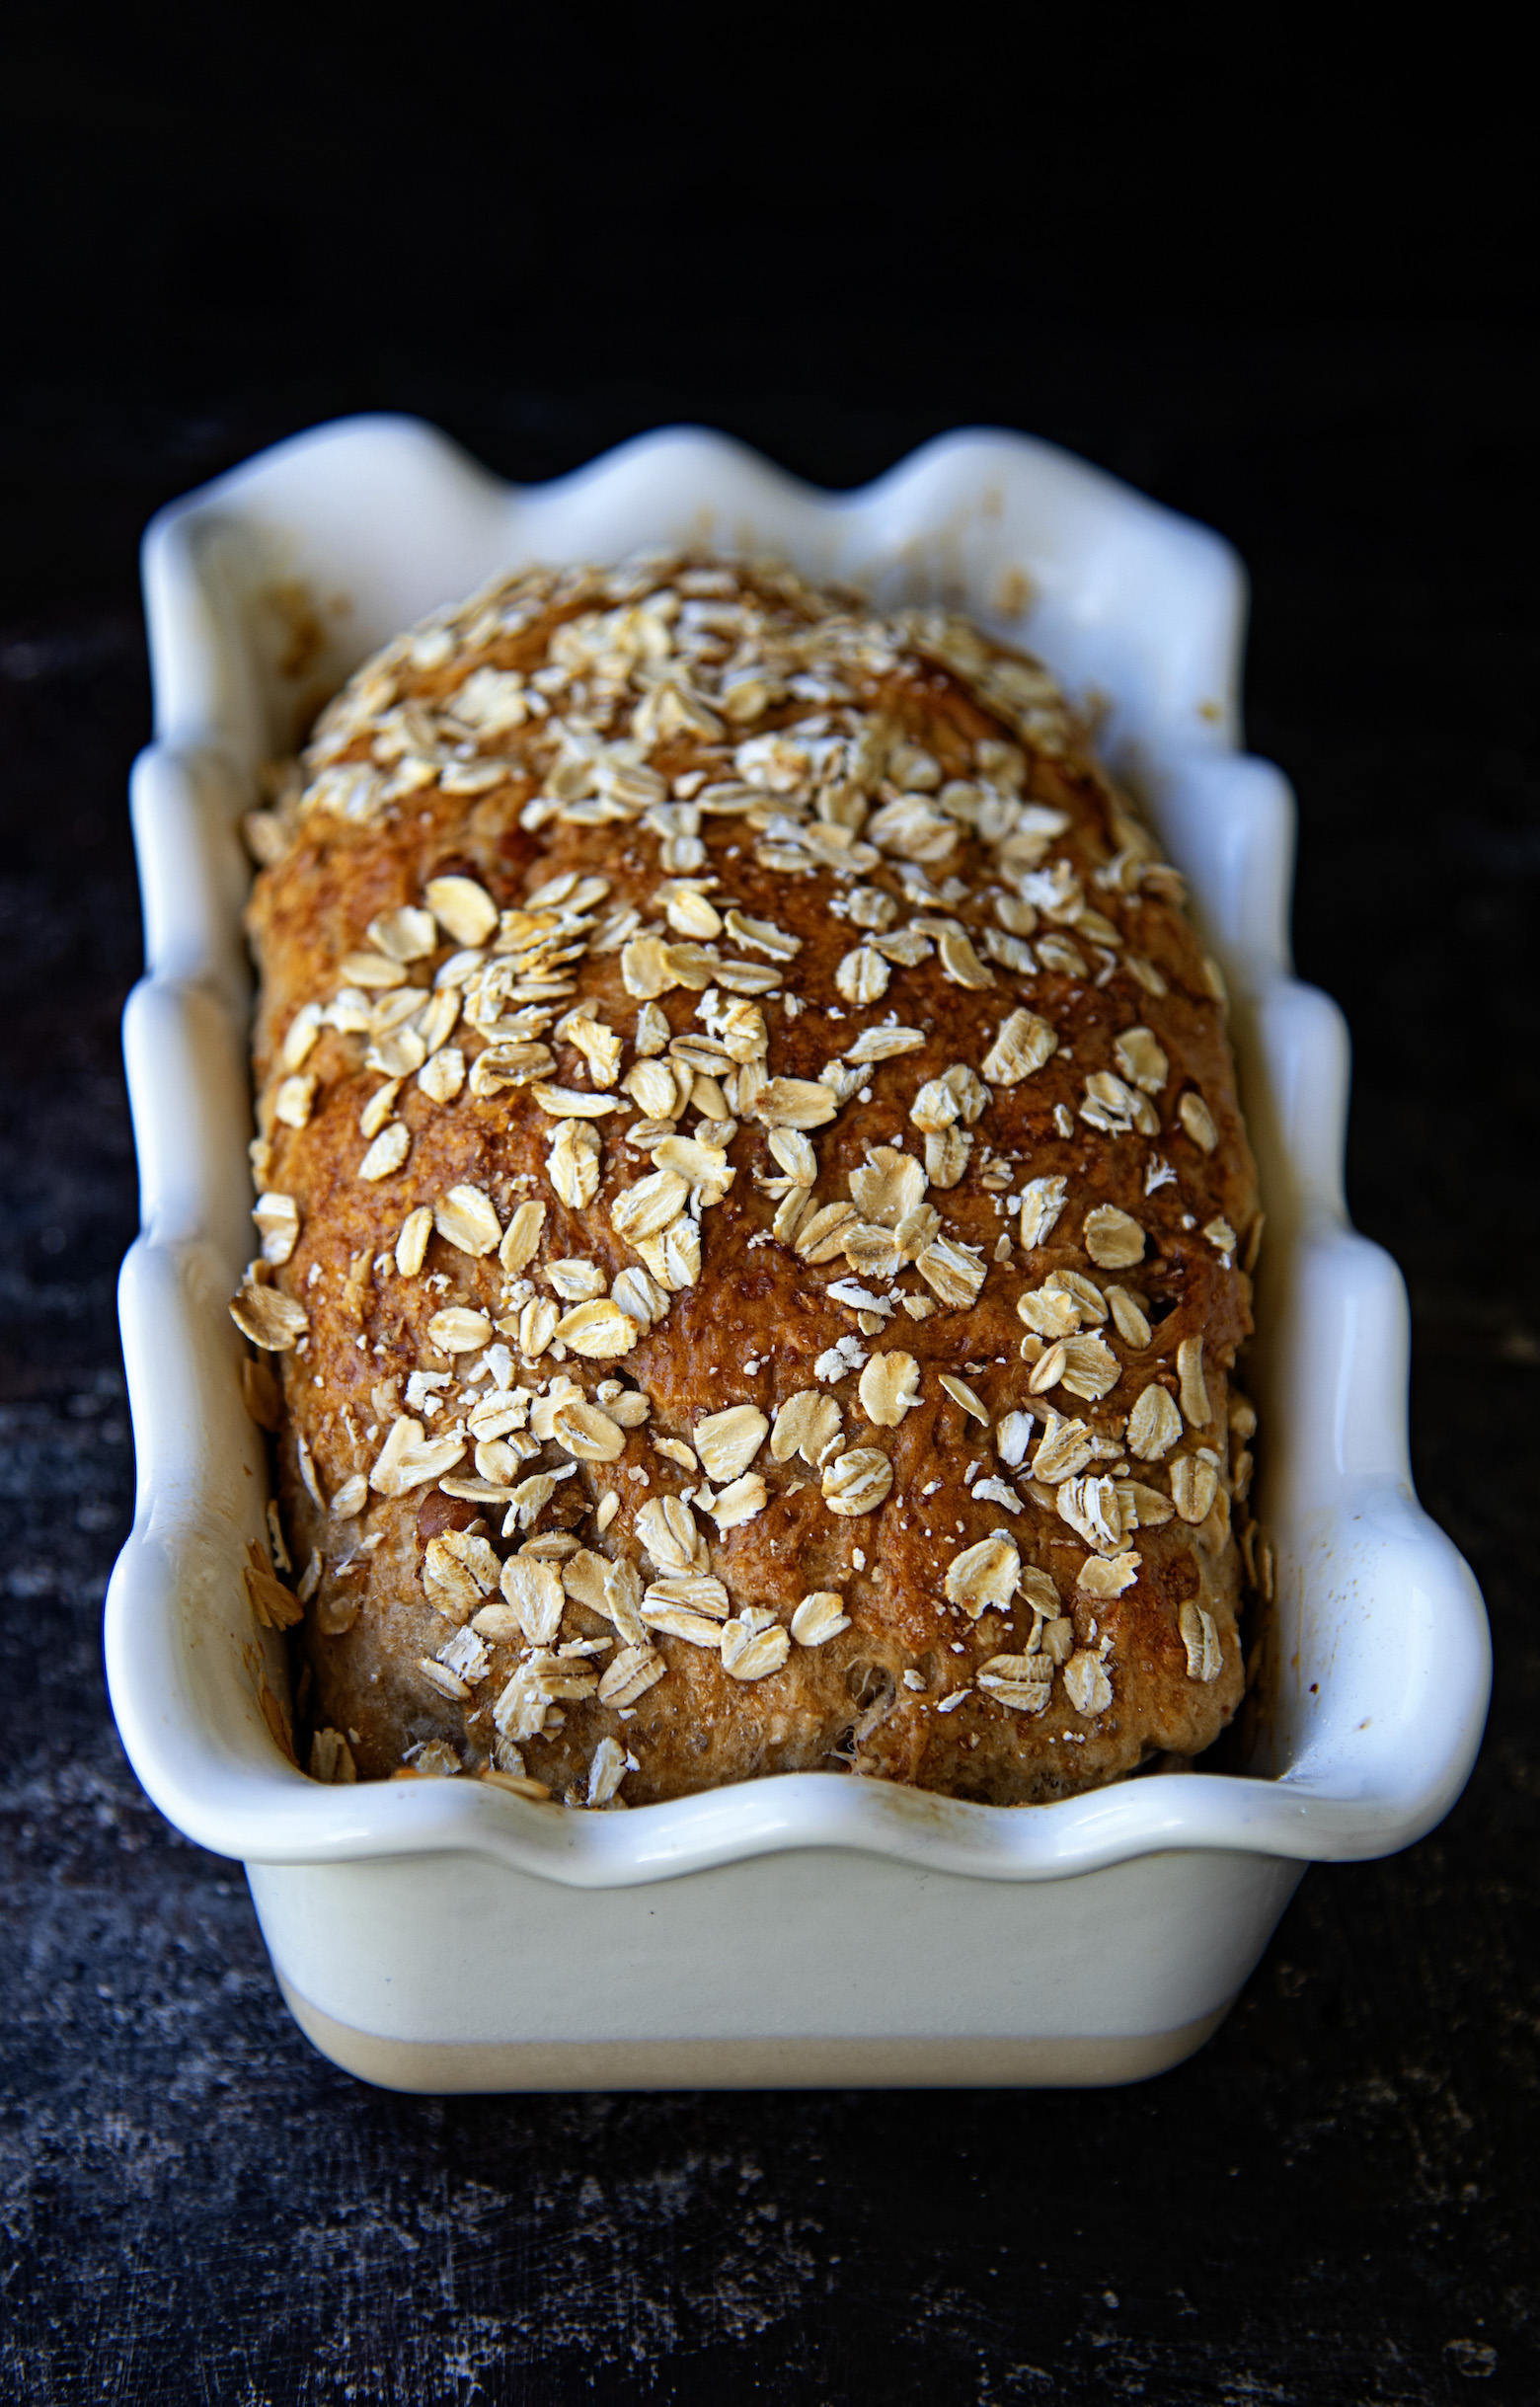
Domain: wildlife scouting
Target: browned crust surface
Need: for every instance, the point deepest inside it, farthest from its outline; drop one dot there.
(896, 1692)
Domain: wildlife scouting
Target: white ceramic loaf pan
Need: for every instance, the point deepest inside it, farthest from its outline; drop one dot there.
(441, 1934)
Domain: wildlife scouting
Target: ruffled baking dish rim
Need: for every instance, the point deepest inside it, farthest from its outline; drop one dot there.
(263, 590)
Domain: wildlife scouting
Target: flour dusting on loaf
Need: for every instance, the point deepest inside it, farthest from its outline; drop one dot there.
(755, 1223)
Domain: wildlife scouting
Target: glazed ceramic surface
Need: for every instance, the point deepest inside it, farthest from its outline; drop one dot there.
(806, 1928)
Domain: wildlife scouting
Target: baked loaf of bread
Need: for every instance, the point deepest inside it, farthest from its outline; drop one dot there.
(755, 1217)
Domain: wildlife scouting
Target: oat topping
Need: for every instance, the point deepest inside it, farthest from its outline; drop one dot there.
(274, 1321)
(1200, 1637)
(728, 1442)
(1089, 1690)
(857, 1482)
(1154, 1424)
(984, 1575)
(1113, 1239)
(1042, 1200)
(1192, 1390)
(807, 1424)
(1129, 1317)
(276, 1607)
(1024, 1043)
(277, 1226)
(821, 1616)
(889, 1385)
(836, 993)
(754, 1644)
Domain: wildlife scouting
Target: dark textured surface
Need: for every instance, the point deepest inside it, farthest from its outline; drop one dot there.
(1336, 2200)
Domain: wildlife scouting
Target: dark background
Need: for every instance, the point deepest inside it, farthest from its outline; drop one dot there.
(1289, 290)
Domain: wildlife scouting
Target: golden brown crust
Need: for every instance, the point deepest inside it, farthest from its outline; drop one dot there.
(1036, 891)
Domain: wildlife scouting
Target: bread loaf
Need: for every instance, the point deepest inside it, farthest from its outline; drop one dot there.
(755, 1218)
